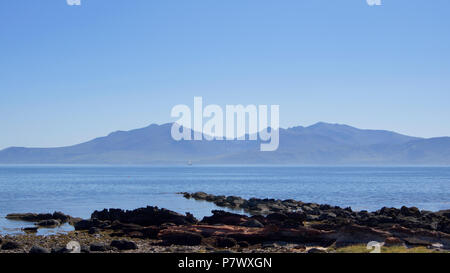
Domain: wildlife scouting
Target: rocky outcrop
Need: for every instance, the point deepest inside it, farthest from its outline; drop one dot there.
(124, 245)
(47, 220)
(275, 223)
(148, 216)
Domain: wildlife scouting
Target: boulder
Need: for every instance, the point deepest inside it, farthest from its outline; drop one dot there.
(84, 225)
(413, 211)
(30, 229)
(199, 195)
(124, 245)
(60, 250)
(11, 245)
(225, 242)
(100, 247)
(63, 218)
(93, 230)
(38, 250)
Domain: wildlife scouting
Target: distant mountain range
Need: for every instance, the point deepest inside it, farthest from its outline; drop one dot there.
(319, 144)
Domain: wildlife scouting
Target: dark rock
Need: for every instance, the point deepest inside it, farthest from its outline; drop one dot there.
(63, 218)
(444, 213)
(444, 226)
(124, 245)
(85, 249)
(60, 250)
(326, 216)
(30, 229)
(225, 218)
(243, 244)
(199, 195)
(48, 223)
(38, 250)
(224, 242)
(93, 230)
(84, 225)
(150, 232)
(179, 237)
(99, 247)
(252, 223)
(277, 217)
(149, 216)
(11, 245)
(36, 217)
(413, 211)
(29, 217)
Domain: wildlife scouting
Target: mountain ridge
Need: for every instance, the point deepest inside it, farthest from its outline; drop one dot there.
(318, 144)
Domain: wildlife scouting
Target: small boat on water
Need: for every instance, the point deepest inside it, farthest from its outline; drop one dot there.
(189, 163)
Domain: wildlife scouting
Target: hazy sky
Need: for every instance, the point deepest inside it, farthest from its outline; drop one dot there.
(72, 73)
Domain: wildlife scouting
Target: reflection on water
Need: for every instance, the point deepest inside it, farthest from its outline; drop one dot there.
(15, 227)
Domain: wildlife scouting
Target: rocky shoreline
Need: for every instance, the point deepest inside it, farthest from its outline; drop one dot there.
(274, 226)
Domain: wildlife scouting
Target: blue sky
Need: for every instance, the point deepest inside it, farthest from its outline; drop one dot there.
(72, 73)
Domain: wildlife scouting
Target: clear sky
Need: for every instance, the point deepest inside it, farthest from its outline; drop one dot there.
(72, 73)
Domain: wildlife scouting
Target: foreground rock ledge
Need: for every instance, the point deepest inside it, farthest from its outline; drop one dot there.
(281, 226)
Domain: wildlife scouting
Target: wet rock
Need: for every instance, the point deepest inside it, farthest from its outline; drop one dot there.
(30, 229)
(199, 195)
(29, 217)
(37, 217)
(48, 223)
(11, 245)
(63, 218)
(124, 245)
(38, 250)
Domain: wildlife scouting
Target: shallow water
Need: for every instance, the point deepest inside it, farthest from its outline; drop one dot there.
(79, 190)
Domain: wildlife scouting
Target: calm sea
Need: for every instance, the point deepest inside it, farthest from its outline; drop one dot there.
(79, 190)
